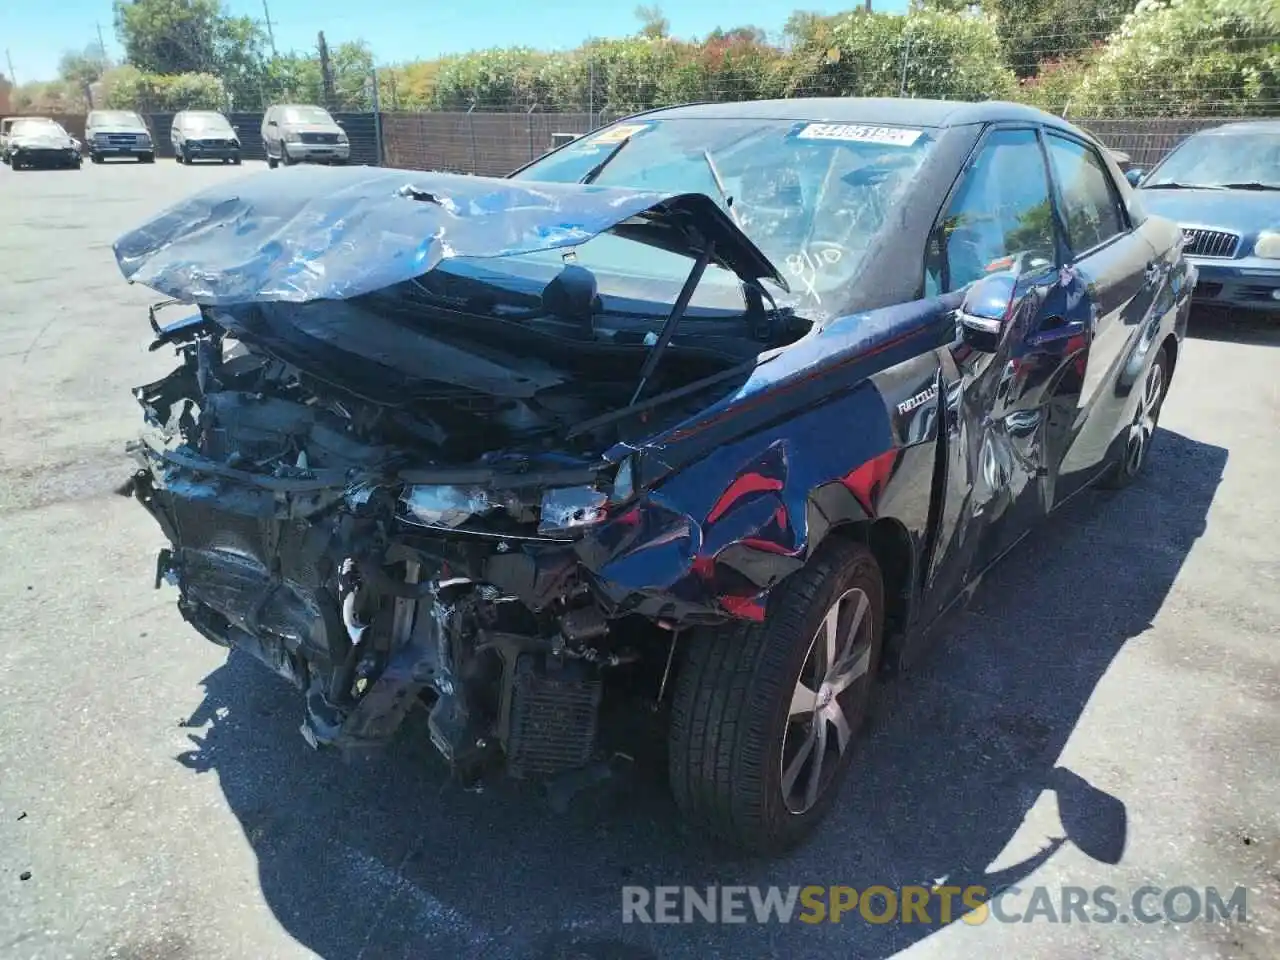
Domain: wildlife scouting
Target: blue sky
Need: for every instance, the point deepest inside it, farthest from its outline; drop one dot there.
(36, 33)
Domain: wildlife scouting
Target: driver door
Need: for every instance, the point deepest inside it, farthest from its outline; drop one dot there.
(1006, 392)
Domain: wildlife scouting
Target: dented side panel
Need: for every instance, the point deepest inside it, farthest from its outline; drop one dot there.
(717, 537)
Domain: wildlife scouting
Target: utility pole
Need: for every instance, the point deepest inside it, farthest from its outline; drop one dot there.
(102, 47)
(326, 72)
(271, 34)
(9, 60)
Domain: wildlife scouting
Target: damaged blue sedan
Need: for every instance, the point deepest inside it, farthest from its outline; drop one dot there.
(718, 408)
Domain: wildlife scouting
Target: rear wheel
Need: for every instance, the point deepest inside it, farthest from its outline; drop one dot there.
(1142, 429)
(764, 715)
(272, 162)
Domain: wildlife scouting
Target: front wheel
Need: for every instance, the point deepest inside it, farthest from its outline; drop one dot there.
(764, 716)
(1142, 429)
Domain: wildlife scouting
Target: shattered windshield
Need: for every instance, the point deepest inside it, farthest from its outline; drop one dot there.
(1211, 160)
(812, 196)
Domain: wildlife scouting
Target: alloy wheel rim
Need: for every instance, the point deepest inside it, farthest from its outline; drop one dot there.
(818, 732)
(1144, 422)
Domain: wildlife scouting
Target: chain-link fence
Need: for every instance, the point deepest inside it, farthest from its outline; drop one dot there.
(1140, 77)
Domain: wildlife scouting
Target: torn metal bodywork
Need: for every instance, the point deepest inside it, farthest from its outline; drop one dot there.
(422, 450)
(295, 239)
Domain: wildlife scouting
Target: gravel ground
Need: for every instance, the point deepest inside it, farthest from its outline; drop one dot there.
(1105, 713)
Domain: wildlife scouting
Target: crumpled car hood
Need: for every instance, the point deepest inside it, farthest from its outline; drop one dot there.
(331, 233)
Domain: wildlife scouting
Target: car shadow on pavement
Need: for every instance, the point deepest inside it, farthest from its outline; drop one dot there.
(390, 858)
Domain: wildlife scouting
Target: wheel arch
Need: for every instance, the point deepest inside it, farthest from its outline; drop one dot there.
(891, 544)
(1170, 345)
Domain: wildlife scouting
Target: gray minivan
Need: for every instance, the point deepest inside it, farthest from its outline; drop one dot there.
(203, 135)
(297, 133)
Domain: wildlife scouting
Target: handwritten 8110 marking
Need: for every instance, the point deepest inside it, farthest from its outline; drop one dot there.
(805, 266)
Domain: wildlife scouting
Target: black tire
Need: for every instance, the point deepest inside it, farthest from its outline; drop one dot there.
(148, 158)
(272, 162)
(1135, 445)
(235, 161)
(732, 706)
(95, 158)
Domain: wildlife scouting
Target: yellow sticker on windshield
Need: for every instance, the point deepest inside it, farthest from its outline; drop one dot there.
(860, 133)
(619, 133)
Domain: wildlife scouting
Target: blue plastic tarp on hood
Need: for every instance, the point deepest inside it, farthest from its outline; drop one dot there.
(331, 233)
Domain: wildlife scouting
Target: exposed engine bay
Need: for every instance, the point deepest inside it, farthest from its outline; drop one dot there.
(392, 519)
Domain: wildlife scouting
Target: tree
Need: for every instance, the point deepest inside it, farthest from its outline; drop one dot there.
(926, 53)
(653, 24)
(240, 59)
(83, 67)
(806, 30)
(1039, 31)
(169, 36)
(1187, 58)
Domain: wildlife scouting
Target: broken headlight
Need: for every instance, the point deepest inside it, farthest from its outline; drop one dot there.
(446, 506)
(567, 510)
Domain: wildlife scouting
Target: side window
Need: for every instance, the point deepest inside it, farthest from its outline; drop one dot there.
(1091, 205)
(1001, 211)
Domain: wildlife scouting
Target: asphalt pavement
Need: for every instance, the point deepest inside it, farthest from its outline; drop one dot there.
(1106, 713)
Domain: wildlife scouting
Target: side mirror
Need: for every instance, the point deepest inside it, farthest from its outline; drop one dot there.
(341, 123)
(1134, 176)
(985, 310)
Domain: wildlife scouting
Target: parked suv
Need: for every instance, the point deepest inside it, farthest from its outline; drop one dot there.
(203, 135)
(294, 134)
(118, 133)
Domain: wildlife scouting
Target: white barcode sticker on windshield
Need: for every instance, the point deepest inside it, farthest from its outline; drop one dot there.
(860, 133)
(619, 133)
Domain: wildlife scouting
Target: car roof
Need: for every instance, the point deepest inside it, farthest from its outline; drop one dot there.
(1242, 126)
(895, 111)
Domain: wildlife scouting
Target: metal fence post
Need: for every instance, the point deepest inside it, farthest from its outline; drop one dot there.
(471, 125)
(377, 123)
(528, 122)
